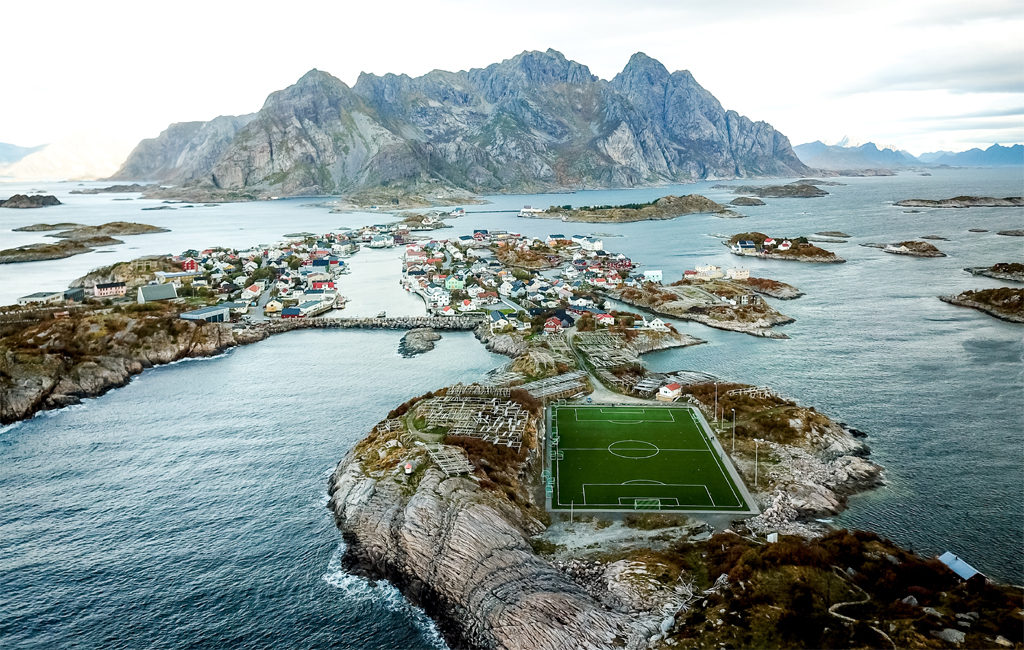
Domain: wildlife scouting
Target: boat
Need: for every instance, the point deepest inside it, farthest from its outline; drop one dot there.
(382, 314)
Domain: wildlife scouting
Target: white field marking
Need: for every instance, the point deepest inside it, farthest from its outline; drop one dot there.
(642, 481)
(709, 495)
(626, 449)
(649, 447)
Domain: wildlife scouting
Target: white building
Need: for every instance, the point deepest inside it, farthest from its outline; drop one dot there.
(737, 274)
(652, 276)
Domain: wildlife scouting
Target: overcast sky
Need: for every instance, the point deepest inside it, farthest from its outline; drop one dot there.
(919, 75)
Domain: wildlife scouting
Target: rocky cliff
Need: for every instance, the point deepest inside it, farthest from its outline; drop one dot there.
(183, 152)
(536, 121)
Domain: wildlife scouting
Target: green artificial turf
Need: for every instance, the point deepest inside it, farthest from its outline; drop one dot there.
(629, 458)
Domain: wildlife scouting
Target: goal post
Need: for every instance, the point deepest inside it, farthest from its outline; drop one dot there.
(647, 504)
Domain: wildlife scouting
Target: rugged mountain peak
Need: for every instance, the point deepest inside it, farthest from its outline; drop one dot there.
(533, 122)
(641, 66)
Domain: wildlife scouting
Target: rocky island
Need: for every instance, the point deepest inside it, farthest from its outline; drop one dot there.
(74, 241)
(911, 248)
(1004, 303)
(722, 304)
(791, 190)
(772, 288)
(1012, 271)
(418, 341)
(964, 202)
(24, 201)
(117, 189)
(746, 201)
(793, 249)
(667, 207)
(471, 542)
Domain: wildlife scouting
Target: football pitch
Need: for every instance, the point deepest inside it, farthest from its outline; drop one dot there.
(626, 458)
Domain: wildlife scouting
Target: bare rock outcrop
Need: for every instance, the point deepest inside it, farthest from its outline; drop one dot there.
(462, 554)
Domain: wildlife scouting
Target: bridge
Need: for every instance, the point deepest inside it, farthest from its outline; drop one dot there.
(464, 322)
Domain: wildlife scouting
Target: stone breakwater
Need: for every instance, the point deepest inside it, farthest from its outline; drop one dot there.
(451, 323)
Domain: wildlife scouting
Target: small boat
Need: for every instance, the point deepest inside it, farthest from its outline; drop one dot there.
(382, 314)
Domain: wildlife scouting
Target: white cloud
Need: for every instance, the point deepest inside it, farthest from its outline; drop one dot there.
(814, 70)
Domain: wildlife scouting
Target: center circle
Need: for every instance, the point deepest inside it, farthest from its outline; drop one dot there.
(633, 449)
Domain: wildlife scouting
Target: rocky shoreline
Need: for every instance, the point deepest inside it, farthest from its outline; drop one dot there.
(964, 202)
(1011, 271)
(909, 248)
(798, 190)
(24, 201)
(75, 239)
(418, 341)
(476, 559)
(755, 320)
(1004, 303)
(667, 207)
(85, 357)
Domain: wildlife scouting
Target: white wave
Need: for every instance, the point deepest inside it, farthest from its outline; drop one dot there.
(380, 593)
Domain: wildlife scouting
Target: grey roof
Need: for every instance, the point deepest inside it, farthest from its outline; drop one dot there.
(158, 292)
(958, 566)
(203, 311)
(41, 294)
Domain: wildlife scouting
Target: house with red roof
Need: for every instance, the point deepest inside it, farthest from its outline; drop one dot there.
(670, 392)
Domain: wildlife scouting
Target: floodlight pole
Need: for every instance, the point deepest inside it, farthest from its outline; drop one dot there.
(734, 431)
(572, 506)
(757, 442)
(716, 402)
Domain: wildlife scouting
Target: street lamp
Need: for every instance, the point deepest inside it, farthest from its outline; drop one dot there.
(757, 441)
(734, 432)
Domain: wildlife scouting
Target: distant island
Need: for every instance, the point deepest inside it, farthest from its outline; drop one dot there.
(667, 207)
(117, 189)
(793, 249)
(746, 201)
(964, 202)
(911, 248)
(791, 190)
(1004, 303)
(75, 241)
(1012, 271)
(24, 201)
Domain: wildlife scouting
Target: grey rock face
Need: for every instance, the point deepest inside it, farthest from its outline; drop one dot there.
(536, 121)
(454, 549)
(185, 151)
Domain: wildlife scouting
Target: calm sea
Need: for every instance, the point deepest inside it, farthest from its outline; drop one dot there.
(186, 509)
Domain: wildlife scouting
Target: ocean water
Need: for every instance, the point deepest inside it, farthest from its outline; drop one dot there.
(187, 508)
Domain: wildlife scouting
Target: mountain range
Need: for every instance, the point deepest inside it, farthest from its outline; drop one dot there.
(995, 156)
(535, 122)
(11, 153)
(869, 156)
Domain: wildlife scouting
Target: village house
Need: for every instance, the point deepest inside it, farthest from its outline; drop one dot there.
(737, 274)
(652, 276)
(110, 289)
(156, 292)
(42, 298)
(552, 325)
